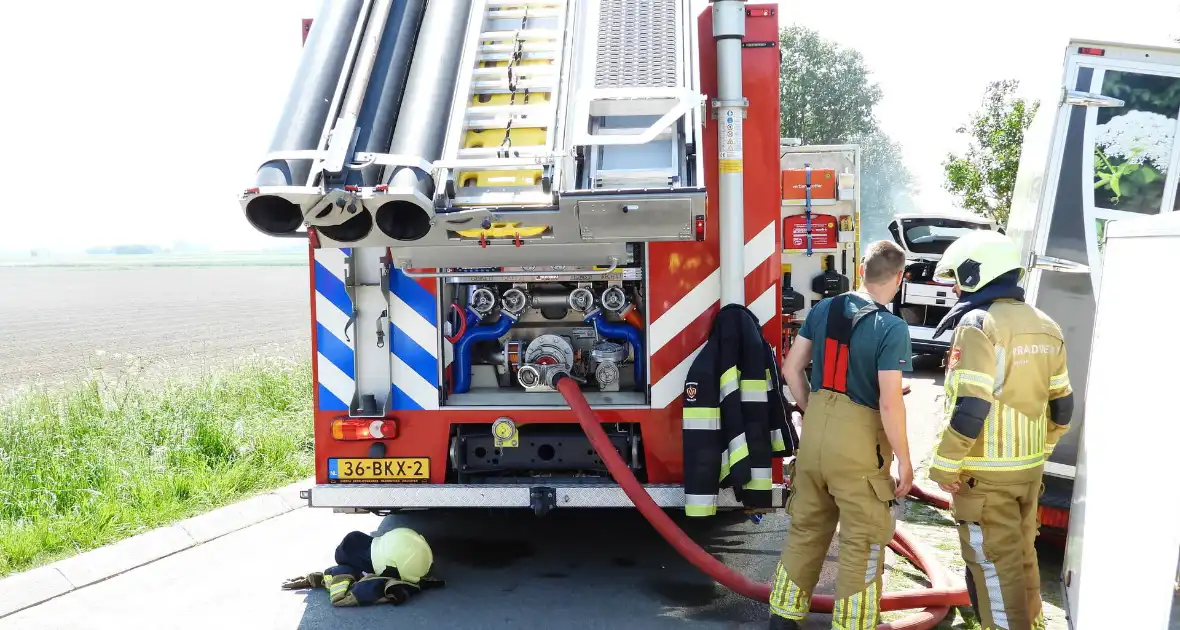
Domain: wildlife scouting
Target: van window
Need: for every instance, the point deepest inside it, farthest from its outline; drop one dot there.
(1133, 143)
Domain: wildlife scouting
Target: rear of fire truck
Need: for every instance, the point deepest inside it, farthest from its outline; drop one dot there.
(496, 190)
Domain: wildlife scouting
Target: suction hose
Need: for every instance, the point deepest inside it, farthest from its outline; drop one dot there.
(935, 600)
(462, 362)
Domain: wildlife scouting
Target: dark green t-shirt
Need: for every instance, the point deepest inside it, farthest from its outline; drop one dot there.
(881, 342)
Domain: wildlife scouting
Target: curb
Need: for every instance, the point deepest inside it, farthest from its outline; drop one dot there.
(36, 586)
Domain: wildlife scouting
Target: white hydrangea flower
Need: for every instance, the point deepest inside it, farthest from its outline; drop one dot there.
(1137, 137)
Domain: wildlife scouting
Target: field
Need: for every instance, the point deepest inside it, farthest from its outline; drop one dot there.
(128, 398)
(57, 322)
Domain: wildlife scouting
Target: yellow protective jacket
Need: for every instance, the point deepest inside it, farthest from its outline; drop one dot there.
(1008, 397)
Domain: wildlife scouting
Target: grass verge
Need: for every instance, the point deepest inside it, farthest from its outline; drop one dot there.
(936, 529)
(116, 455)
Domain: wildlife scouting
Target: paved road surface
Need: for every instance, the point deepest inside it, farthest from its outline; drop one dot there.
(572, 569)
(54, 321)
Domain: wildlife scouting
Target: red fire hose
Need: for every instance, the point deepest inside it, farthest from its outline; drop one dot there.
(935, 600)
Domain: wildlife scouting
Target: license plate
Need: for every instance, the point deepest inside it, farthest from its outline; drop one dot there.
(377, 470)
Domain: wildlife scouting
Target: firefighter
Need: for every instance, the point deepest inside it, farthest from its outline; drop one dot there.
(1008, 400)
(387, 568)
(853, 425)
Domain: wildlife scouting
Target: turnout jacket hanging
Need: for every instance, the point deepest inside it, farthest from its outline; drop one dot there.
(735, 416)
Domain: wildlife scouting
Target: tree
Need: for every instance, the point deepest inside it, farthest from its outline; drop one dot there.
(827, 97)
(983, 179)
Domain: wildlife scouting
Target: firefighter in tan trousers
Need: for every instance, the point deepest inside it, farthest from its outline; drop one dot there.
(853, 423)
(1008, 401)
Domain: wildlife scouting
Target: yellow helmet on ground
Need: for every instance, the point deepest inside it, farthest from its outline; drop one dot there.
(976, 259)
(403, 549)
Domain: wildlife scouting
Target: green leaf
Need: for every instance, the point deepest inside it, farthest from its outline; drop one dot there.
(1114, 187)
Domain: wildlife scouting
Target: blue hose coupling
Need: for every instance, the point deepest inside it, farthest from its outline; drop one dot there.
(462, 363)
(626, 332)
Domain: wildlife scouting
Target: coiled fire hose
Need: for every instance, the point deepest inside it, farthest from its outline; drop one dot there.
(935, 600)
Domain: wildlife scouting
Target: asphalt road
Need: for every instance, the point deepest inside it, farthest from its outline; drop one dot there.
(571, 569)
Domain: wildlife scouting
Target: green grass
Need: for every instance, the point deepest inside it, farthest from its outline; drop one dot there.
(936, 529)
(114, 456)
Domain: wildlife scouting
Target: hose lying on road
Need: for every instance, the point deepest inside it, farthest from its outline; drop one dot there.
(935, 600)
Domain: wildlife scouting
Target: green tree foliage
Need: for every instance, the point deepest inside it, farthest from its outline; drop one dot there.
(982, 180)
(827, 97)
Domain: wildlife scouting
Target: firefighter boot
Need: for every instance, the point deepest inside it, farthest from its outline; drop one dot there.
(997, 528)
(842, 474)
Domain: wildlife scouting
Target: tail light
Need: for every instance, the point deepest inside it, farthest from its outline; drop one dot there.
(699, 228)
(1053, 517)
(360, 429)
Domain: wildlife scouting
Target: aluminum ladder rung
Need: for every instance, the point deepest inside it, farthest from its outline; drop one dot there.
(521, 14)
(535, 150)
(527, 34)
(497, 4)
(498, 117)
(525, 48)
(501, 86)
(500, 73)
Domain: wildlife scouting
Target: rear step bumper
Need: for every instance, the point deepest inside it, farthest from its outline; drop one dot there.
(501, 496)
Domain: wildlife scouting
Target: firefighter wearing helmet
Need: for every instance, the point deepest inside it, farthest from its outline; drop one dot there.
(1008, 401)
(387, 568)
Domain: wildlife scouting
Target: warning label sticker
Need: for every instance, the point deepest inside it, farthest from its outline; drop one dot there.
(730, 166)
(729, 146)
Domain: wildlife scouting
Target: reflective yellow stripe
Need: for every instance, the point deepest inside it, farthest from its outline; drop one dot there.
(753, 390)
(991, 432)
(759, 479)
(1059, 381)
(970, 377)
(738, 449)
(729, 381)
(949, 465)
(701, 418)
(1015, 463)
(787, 600)
(724, 465)
(700, 504)
(777, 441)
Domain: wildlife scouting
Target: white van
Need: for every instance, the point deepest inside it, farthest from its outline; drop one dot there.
(1102, 147)
(922, 302)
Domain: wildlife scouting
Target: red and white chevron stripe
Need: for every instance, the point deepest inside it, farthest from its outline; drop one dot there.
(680, 323)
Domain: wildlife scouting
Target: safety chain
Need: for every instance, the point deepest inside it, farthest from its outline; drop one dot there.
(517, 56)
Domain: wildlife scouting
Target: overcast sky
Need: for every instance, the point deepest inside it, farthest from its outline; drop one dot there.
(139, 121)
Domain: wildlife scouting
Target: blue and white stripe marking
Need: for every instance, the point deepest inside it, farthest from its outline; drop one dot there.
(413, 316)
(335, 366)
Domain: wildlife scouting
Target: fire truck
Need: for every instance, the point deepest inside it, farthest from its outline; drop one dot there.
(493, 190)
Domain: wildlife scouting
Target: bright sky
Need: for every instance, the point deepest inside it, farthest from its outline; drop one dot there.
(139, 121)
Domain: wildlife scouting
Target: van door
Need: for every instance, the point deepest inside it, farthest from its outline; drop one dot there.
(1114, 160)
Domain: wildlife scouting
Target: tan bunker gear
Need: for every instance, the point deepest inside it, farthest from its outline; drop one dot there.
(1008, 400)
(841, 476)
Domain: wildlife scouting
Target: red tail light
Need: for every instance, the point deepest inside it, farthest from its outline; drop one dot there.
(699, 228)
(363, 429)
(1097, 52)
(1053, 517)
